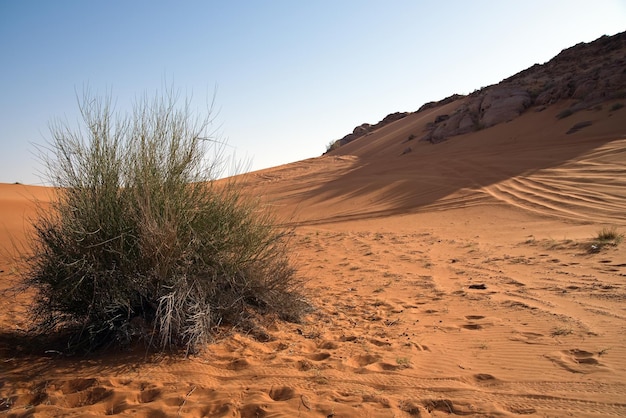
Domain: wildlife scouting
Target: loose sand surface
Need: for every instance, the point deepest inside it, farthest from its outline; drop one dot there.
(451, 279)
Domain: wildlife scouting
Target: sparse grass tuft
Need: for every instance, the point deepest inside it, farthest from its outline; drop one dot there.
(559, 331)
(410, 407)
(333, 145)
(578, 126)
(607, 236)
(141, 242)
(616, 106)
(564, 113)
(403, 361)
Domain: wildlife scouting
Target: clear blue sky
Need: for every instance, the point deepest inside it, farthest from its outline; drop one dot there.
(291, 75)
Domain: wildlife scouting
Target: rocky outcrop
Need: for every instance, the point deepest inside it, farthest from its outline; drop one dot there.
(366, 128)
(587, 73)
(590, 73)
(487, 108)
(448, 125)
(449, 99)
(502, 104)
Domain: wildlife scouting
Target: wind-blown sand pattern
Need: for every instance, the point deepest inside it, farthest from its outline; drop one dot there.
(454, 279)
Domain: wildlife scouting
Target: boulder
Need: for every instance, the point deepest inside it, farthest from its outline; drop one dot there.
(502, 105)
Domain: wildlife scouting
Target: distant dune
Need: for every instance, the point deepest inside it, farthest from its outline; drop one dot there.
(452, 255)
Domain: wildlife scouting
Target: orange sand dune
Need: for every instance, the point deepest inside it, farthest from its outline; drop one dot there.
(451, 279)
(529, 163)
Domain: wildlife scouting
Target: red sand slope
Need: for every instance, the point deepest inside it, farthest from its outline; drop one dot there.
(451, 279)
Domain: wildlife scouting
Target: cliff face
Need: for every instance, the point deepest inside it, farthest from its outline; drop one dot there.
(586, 74)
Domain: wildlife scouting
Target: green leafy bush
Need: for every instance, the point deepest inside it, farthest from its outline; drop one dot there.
(141, 242)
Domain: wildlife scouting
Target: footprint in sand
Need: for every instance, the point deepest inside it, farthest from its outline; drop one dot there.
(528, 337)
(77, 385)
(349, 338)
(328, 345)
(472, 325)
(484, 378)
(81, 392)
(576, 360)
(148, 395)
(88, 397)
(282, 393)
(362, 360)
(321, 356)
(387, 367)
(238, 364)
(379, 343)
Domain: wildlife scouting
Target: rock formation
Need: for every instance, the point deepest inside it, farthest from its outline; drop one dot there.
(587, 74)
(366, 128)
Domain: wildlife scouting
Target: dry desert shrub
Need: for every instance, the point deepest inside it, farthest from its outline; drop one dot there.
(609, 235)
(140, 241)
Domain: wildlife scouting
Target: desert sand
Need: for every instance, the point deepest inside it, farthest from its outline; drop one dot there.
(454, 279)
